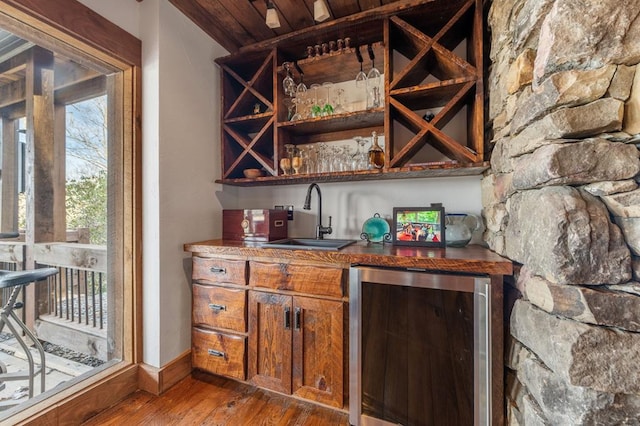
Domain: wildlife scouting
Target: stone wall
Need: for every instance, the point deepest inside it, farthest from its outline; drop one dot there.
(562, 199)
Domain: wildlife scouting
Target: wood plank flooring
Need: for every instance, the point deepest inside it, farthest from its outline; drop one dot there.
(202, 399)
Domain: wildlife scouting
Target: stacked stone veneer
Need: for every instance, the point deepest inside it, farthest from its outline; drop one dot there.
(562, 199)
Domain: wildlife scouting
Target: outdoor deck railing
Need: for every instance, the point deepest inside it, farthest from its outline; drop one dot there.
(78, 293)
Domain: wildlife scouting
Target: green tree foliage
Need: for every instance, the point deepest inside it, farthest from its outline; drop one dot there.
(87, 205)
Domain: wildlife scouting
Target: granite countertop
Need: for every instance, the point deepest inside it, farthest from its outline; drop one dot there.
(472, 259)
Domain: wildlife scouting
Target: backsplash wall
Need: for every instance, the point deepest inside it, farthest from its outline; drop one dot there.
(351, 203)
(562, 200)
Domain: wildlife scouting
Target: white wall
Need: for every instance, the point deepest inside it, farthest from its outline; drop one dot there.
(123, 13)
(180, 125)
(181, 160)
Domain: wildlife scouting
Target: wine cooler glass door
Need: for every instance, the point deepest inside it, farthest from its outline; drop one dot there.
(419, 348)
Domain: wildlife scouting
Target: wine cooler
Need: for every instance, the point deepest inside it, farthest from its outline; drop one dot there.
(419, 348)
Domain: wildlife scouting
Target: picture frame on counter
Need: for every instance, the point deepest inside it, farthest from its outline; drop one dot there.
(419, 226)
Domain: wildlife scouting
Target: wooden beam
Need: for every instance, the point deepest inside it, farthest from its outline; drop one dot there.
(75, 22)
(81, 91)
(12, 93)
(39, 164)
(14, 64)
(9, 176)
(40, 158)
(68, 73)
(15, 93)
(59, 172)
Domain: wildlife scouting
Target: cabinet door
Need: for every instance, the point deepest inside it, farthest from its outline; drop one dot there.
(318, 342)
(270, 323)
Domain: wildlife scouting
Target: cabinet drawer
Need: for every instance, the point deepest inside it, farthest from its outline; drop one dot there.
(322, 281)
(214, 270)
(218, 353)
(219, 307)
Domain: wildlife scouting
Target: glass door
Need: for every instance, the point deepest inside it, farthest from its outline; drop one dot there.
(418, 353)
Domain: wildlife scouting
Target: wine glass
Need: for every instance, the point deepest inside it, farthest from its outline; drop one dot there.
(316, 109)
(373, 82)
(360, 160)
(285, 165)
(290, 104)
(337, 102)
(327, 109)
(296, 163)
(374, 74)
(298, 102)
(361, 77)
(301, 87)
(288, 84)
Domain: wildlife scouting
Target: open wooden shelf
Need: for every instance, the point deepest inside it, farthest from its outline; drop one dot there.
(336, 122)
(429, 57)
(443, 169)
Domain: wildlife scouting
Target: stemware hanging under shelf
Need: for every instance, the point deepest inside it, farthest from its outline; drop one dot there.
(361, 77)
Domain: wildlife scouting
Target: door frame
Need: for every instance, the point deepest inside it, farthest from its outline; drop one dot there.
(72, 29)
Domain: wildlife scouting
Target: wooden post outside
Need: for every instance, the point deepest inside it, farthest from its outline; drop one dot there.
(40, 163)
(9, 176)
(115, 209)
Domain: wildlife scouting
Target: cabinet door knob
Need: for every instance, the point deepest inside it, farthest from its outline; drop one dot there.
(216, 353)
(287, 318)
(297, 319)
(217, 308)
(217, 270)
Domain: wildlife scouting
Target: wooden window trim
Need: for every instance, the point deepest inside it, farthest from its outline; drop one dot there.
(72, 29)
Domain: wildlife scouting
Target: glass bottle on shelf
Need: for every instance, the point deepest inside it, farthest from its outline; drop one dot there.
(376, 154)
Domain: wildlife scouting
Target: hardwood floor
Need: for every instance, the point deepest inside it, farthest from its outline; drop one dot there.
(202, 399)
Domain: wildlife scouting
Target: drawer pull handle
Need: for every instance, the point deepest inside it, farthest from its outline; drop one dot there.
(297, 320)
(217, 308)
(217, 270)
(213, 352)
(287, 318)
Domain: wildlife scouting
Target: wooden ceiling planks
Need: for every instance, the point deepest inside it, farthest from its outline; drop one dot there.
(295, 13)
(369, 4)
(248, 17)
(238, 24)
(342, 8)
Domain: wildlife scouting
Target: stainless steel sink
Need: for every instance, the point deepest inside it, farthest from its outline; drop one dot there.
(308, 244)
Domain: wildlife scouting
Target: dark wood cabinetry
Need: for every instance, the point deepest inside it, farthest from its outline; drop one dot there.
(296, 346)
(278, 325)
(218, 336)
(432, 57)
(296, 336)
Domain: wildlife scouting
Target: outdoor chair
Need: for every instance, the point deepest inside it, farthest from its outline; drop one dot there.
(17, 280)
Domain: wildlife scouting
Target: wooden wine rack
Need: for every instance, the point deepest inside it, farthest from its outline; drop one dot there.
(433, 63)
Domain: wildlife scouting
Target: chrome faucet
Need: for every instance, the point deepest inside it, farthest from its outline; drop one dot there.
(320, 230)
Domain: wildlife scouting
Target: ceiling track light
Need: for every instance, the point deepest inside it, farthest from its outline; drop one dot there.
(272, 19)
(320, 11)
